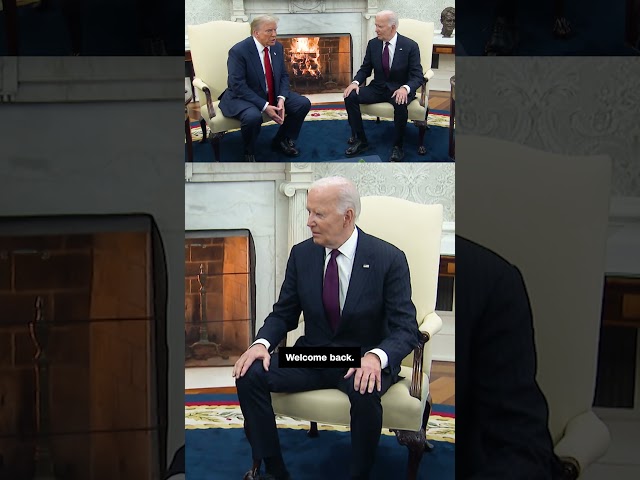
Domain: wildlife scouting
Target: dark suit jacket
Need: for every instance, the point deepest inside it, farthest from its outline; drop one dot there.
(405, 69)
(501, 414)
(378, 311)
(246, 85)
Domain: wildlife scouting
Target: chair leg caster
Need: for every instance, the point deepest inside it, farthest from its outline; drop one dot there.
(422, 150)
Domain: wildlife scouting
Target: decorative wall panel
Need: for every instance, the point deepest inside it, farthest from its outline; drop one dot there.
(577, 106)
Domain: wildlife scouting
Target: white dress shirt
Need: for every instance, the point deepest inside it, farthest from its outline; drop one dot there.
(260, 48)
(345, 267)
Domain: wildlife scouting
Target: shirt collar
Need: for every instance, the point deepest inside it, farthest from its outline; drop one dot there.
(259, 46)
(348, 248)
(392, 42)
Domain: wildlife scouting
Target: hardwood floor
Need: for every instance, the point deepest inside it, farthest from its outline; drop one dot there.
(443, 384)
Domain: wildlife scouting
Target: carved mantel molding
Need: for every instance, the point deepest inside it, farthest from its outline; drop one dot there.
(239, 13)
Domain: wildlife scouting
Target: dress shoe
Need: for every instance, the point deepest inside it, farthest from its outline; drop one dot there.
(504, 38)
(358, 146)
(249, 157)
(397, 154)
(351, 140)
(285, 146)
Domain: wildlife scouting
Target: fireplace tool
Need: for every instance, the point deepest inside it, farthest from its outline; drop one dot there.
(39, 331)
(204, 348)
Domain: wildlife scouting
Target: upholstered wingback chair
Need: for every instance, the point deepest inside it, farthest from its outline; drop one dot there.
(210, 44)
(416, 230)
(547, 214)
(422, 33)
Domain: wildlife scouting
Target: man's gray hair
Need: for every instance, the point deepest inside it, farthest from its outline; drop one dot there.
(391, 16)
(257, 22)
(348, 196)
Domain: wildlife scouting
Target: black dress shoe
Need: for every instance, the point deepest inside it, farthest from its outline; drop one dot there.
(285, 146)
(504, 38)
(397, 154)
(351, 140)
(358, 147)
(249, 157)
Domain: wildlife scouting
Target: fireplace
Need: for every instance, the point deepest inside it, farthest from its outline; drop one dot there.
(219, 297)
(82, 348)
(318, 63)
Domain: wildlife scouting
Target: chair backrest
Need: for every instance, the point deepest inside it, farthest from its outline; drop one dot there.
(416, 230)
(421, 33)
(210, 44)
(547, 214)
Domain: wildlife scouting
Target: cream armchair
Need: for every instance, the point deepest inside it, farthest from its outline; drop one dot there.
(422, 33)
(547, 214)
(210, 44)
(416, 230)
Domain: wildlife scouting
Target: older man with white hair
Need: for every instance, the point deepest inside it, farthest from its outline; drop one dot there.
(395, 61)
(354, 290)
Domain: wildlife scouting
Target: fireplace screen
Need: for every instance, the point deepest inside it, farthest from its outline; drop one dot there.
(318, 63)
(219, 297)
(83, 387)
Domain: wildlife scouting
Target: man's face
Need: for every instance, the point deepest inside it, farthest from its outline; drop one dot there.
(384, 31)
(328, 227)
(266, 34)
(448, 22)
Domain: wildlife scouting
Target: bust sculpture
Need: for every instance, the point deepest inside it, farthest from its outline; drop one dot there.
(448, 20)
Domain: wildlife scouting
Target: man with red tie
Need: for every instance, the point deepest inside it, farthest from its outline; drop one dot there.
(259, 83)
(395, 61)
(354, 290)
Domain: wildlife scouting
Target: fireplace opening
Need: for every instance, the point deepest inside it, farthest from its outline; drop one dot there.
(219, 297)
(318, 63)
(83, 377)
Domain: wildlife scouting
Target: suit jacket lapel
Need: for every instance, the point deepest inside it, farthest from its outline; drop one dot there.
(257, 64)
(359, 275)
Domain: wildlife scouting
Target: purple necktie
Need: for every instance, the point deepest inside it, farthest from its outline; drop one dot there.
(385, 59)
(331, 291)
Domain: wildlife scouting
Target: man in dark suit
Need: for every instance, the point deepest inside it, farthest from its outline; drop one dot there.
(364, 301)
(259, 83)
(501, 413)
(395, 61)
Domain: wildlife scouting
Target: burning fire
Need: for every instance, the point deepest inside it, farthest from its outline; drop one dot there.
(305, 57)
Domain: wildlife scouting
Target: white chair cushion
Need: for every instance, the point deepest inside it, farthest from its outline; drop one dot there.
(400, 410)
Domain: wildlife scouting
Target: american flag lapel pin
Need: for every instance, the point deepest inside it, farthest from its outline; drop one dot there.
(366, 265)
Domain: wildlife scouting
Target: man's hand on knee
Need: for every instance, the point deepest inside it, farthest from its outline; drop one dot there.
(368, 376)
(253, 353)
(351, 88)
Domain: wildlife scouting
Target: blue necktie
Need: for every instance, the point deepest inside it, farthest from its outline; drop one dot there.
(385, 59)
(331, 291)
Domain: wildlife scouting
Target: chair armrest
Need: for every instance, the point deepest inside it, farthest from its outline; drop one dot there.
(586, 438)
(423, 94)
(431, 325)
(199, 84)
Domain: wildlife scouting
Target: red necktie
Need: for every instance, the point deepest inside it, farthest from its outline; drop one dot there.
(269, 74)
(385, 59)
(331, 291)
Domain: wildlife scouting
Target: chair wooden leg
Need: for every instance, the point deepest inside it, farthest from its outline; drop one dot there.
(215, 144)
(377, 119)
(415, 442)
(203, 126)
(313, 430)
